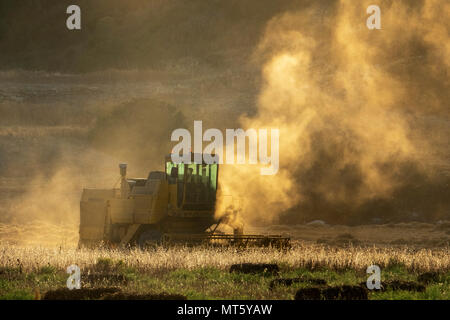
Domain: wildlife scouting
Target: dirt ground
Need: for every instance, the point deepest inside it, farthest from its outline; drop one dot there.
(412, 234)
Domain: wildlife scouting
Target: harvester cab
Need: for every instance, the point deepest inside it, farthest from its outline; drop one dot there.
(193, 186)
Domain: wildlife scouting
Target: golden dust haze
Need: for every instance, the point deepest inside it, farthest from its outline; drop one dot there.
(347, 101)
(363, 114)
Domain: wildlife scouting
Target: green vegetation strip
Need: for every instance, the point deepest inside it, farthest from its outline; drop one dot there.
(209, 283)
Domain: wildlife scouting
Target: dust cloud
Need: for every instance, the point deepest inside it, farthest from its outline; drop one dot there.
(363, 115)
(42, 198)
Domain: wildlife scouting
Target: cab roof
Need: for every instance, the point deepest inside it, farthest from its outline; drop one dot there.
(169, 157)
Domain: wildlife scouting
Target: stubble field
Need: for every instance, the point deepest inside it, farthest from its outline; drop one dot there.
(408, 271)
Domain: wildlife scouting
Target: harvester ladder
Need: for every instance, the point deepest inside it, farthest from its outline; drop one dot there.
(131, 231)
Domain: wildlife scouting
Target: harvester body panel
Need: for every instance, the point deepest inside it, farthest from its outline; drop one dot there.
(179, 200)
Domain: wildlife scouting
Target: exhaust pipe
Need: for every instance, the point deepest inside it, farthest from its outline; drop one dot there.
(123, 170)
(124, 187)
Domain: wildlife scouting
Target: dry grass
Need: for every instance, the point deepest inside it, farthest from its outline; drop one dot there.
(35, 245)
(302, 255)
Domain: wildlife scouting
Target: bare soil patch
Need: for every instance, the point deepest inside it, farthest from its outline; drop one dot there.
(79, 294)
(95, 279)
(429, 277)
(344, 292)
(137, 296)
(269, 268)
(290, 281)
(399, 285)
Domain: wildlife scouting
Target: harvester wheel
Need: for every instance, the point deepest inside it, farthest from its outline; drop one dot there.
(150, 238)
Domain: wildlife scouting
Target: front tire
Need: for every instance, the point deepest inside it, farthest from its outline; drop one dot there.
(150, 239)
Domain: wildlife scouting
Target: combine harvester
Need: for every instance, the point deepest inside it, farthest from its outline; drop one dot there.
(172, 207)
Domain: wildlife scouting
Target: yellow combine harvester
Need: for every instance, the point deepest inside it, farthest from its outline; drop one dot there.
(175, 206)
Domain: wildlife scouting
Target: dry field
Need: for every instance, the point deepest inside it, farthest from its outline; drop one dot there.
(204, 273)
(34, 258)
(418, 246)
(309, 256)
